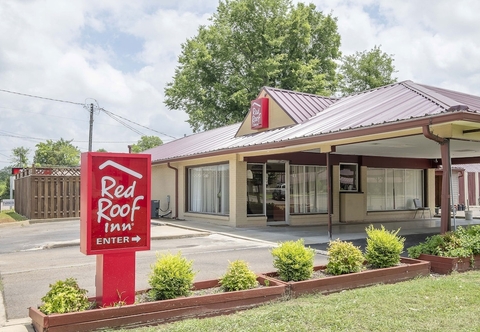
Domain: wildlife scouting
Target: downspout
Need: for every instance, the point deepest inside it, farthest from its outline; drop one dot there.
(446, 205)
(176, 190)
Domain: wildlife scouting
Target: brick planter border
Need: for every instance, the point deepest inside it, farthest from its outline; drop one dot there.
(446, 265)
(409, 269)
(151, 313)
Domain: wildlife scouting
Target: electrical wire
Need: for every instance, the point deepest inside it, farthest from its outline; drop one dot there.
(110, 114)
(33, 96)
(126, 125)
(114, 116)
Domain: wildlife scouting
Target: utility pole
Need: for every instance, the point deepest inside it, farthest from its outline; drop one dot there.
(90, 133)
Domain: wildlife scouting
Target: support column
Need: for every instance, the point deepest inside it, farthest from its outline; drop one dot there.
(446, 205)
(329, 197)
(446, 187)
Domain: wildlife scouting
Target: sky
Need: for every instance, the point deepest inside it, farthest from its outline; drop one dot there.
(119, 55)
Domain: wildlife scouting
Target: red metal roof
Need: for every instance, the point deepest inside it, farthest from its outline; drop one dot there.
(298, 105)
(473, 102)
(389, 104)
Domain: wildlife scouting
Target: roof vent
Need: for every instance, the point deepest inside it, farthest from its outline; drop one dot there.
(458, 108)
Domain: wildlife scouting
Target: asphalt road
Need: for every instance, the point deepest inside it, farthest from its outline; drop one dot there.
(38, 235)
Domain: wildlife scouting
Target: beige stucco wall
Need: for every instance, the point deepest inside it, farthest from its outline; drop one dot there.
(163, 184)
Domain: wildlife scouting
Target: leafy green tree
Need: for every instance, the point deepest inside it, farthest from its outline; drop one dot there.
(57, 153)
(102, 150)
(250, 44)
(145, 143)
(5, 174)
(366, 70)
(5, 189)
(20, 157)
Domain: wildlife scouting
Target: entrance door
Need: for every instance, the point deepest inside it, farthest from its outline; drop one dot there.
(276, 193)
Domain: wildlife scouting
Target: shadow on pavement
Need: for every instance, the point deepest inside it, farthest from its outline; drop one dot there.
(410, 240)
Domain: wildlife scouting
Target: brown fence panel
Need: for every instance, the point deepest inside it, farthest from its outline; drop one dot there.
(48, 193)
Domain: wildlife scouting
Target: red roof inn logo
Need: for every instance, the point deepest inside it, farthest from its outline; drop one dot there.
(115, 202)
(259, 113)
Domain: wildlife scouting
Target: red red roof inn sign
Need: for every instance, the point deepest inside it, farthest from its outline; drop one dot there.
(115, 219)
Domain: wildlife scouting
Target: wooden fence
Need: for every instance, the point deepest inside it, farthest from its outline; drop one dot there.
(46, 193)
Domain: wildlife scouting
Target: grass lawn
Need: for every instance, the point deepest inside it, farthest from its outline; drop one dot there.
(439, 303)
(10, 216)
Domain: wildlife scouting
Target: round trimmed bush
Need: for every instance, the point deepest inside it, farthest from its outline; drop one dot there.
(171, 277)
(343, 257)
(383, 247)
(293, 261)
(238, 277)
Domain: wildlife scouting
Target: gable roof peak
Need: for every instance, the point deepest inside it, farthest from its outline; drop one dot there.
(272, 89)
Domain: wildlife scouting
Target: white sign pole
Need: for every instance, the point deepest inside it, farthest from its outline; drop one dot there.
(12, 184)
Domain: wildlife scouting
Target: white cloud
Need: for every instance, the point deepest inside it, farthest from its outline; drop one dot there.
(122, 53)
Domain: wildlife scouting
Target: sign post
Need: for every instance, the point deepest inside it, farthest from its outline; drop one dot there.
(114, 223)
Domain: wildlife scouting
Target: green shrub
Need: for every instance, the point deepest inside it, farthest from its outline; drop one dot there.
(238, 277)
(343, 257)
(463, 242)
(65, 296)
(171, 277)
(430, 247)
(293, 261)
(470, 239)
(383, 247)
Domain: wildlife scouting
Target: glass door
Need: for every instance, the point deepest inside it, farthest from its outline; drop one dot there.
(276, 194)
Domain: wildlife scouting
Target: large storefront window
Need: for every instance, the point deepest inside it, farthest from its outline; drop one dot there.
(393, 189)
(208, 189)
(308, 193)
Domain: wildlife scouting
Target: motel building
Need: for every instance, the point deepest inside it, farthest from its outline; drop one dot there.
(303, 159)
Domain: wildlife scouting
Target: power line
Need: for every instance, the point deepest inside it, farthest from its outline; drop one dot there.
(33, 96)
(110, 114)
(123, 123)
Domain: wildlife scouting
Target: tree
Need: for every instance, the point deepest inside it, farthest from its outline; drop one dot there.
(5, 174)
(145, 143)
(102, 150)
(20, 157)
(366, 70)
(59, 153)
(251, 44)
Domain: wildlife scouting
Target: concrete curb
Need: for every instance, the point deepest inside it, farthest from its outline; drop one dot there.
(18, 325)
(15, 224)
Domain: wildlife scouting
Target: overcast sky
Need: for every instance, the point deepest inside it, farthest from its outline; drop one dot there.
(119, 55)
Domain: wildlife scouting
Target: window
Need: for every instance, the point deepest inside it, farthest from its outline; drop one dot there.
(393, 189)
(308, 189)
(209, 189)
(349, 177)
